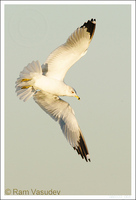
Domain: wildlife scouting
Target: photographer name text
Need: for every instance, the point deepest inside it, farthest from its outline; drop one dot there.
(16, 191)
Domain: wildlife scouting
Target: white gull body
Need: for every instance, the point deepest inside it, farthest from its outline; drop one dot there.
(46, 83)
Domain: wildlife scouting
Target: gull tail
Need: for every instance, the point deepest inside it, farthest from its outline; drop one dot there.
(25, 82)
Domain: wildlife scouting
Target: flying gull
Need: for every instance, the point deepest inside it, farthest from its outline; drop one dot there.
(46, 84)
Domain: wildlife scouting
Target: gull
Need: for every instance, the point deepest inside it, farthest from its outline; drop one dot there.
(46, 84)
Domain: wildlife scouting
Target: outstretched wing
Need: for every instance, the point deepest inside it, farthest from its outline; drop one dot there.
(61, 111)
(61, 59)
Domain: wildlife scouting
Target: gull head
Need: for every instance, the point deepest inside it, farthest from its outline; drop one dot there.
(72, 93)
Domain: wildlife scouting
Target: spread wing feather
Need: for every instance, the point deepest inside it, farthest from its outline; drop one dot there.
(61, 59)
(61, 111)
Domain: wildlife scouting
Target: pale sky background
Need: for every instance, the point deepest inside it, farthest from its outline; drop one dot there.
(37, 155)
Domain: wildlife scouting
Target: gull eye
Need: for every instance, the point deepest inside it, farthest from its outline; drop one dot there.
(72, 91)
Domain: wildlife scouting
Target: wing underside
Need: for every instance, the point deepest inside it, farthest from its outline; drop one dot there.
(61, 112)
(61, 59)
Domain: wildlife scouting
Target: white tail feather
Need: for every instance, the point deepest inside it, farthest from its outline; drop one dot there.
(24, 84)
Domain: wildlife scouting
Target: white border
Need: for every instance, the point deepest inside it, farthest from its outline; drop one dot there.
(69, 2)
(132, 196)
(133, 99)
(2, 101)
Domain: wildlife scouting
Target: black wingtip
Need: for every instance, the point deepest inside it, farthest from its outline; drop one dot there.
(82, 149)
(90, 25)
(93, 21)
